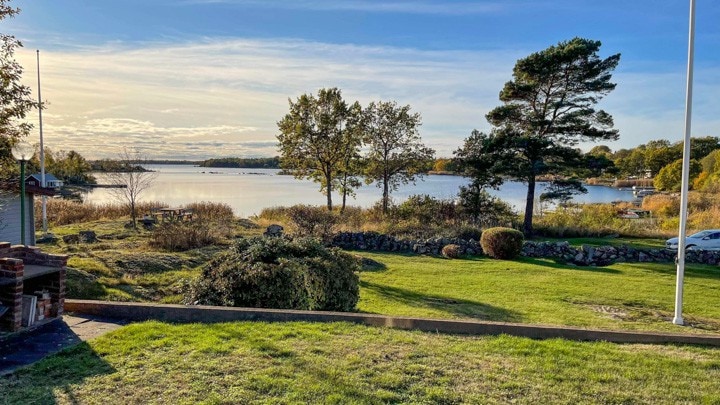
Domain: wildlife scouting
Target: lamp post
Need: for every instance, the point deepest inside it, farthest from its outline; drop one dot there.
(22, 152)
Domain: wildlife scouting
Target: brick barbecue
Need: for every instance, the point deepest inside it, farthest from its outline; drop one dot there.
(26, 272)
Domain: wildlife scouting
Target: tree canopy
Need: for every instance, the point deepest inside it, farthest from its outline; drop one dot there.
(68, 166)
(548, 108)
(318, 137)
(396, 154)
(670, 177)
(15, 98)
(247, 163)
(650, 158)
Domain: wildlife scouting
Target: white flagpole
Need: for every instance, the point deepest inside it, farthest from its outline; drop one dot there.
(678, 319)
(42, 151)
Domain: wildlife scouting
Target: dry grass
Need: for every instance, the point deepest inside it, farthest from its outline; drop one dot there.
(633, 183)
(64, 212)
(351, 219)
(211, 211)
(703, 211)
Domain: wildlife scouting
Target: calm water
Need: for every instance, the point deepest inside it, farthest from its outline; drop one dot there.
(248, 191)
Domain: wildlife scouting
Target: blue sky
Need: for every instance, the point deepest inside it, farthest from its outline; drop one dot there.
(205, 78)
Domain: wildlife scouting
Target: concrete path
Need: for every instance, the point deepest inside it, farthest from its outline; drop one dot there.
(24, 348)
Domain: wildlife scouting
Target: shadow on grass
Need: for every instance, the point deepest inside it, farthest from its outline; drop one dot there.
(371, 266)
(455, 306)
(83, 285)
(561, 266)
(58, 373)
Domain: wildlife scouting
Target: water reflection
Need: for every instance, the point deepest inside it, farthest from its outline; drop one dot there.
(247, 191)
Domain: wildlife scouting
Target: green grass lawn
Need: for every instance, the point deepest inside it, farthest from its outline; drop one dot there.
(629, 296)
(341, 363)
(637, 243)
(253, 362)
(637, 296)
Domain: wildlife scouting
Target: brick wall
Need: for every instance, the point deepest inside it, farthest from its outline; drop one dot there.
(13, 285)
(11, 270)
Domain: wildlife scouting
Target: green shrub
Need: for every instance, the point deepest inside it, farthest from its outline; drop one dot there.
(468, 232)
(184, 235)
(312, 221)
(426, 209)
(451, 251)
(502, 243)
(481, 208)
(277, 273)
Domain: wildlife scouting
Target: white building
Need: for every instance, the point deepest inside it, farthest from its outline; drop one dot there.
(10, 212)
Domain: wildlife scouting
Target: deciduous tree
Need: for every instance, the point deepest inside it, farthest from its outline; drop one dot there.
(659, 155)
(319, 138)
(670, 176)
(633, 163)
(128, 172)
(600, 150)
(701, 147)
(70, 167)
(15, 98)
(396, 153)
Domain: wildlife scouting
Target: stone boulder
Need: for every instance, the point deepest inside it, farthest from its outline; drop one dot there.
(273, 231)
(88, 237)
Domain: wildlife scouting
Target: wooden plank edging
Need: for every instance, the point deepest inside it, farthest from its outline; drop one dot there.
(133, 311)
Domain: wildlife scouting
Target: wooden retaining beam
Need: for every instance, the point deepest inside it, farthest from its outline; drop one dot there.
(208, 314)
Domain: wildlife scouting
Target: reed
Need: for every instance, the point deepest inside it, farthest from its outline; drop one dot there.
(211, 211)
(626, 183)
(65, 212)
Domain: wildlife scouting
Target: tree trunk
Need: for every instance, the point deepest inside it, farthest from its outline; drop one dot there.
(344, 199)
(386, 195)
(133, 216)
(328, 188)
(529, 207)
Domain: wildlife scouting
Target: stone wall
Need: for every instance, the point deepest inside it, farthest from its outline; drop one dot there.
(604, 255)
(582, 256)
(374, 241)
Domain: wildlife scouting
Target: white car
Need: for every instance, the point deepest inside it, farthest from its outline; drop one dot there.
(704, 240)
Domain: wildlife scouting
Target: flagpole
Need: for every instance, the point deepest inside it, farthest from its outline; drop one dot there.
(678, 319)
(42, 151)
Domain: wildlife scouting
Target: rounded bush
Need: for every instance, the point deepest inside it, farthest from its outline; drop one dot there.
(451, 251)
(502, 243)
(277, 273)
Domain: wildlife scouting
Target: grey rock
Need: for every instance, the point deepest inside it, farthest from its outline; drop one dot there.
(88, 236)
(70, 239)
(273, 230)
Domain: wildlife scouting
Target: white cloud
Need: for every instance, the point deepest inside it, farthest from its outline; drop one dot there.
(235, 91)
(215, 97)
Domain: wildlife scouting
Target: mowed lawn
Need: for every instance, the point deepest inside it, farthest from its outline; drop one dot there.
(300, 363)
(627, 296)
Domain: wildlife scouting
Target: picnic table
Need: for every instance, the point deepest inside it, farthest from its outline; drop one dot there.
(171, 214)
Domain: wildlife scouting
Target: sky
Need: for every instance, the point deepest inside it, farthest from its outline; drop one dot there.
(197, 79)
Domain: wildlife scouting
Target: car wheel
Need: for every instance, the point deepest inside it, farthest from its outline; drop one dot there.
(689, 247)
